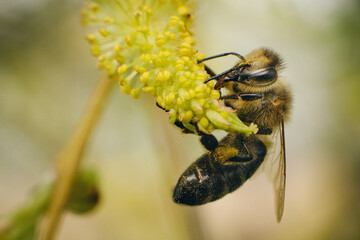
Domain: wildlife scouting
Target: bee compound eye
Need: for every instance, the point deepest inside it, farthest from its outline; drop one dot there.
(261, 77)
(264, 75)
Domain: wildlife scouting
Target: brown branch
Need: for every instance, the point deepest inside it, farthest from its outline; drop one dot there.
(67, 163)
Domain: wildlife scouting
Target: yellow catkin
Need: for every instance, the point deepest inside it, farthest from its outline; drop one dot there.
(149, 49)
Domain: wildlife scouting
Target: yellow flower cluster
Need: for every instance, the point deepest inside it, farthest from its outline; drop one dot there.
(147, 46)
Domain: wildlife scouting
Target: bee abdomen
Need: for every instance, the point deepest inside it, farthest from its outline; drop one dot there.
(202, 182)
(207, 180)
(237, 172)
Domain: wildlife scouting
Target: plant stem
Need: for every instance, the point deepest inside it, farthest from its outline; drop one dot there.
(68, 161)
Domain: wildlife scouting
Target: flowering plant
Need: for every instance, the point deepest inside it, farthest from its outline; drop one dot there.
(147, 47)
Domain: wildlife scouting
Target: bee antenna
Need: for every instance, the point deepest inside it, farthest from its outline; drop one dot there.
(222, 55)
(227, 71)
(220, 75)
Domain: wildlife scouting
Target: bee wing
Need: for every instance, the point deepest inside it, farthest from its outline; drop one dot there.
(280, 178)
(275, 168)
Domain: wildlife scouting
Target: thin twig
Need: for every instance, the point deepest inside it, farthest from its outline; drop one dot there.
(67, 163)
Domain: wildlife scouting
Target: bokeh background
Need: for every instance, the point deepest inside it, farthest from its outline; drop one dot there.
(46, 77)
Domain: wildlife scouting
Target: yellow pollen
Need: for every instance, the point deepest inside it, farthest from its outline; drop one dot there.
(122, 69)
(188, 116)
(166, 75)
(126, 89)
(170, 98)
(142, 29)
(182, 79)
(95, 49)
(104, 32)
(187, 96)
(148, 10)
(144, 77)
(183, 10)
(93, 6)
(145, 58)
(91, 38)
(135, 93)
(215, 94)
(204, 122)
(118, 48)
(148, 89)
(128, 40)
(199, 89)
(174, 20)
(108, 20)
(185, 51)
(139, 69)
(179, 101)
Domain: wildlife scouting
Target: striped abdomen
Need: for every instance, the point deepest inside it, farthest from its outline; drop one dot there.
(209, 179)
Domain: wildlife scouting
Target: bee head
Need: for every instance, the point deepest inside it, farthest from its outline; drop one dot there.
(260, 69)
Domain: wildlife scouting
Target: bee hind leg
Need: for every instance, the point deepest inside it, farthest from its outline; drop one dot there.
(248, 156)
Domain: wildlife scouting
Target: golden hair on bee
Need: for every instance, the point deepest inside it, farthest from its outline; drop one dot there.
(259, 95)
(259, 60)
(263, 78)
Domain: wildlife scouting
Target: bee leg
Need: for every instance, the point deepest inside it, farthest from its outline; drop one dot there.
(177, 122)
(229, 97)
(250, 96)
(209, 142)
(185, 130)
(243, 157)
(264, 130)
(182, 127)
(157, 104)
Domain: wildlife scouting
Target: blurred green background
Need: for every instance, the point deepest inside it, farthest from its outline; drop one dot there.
(47, 74)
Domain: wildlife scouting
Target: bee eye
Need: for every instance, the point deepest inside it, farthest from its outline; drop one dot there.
(260, 77)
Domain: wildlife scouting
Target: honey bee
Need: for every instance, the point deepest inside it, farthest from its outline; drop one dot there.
(259, 95)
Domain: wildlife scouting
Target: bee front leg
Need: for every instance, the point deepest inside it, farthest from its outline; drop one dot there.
(244, 96)
(229, 97)
(250, 96)
(180, 125)
(177, 123)
(157, 104)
